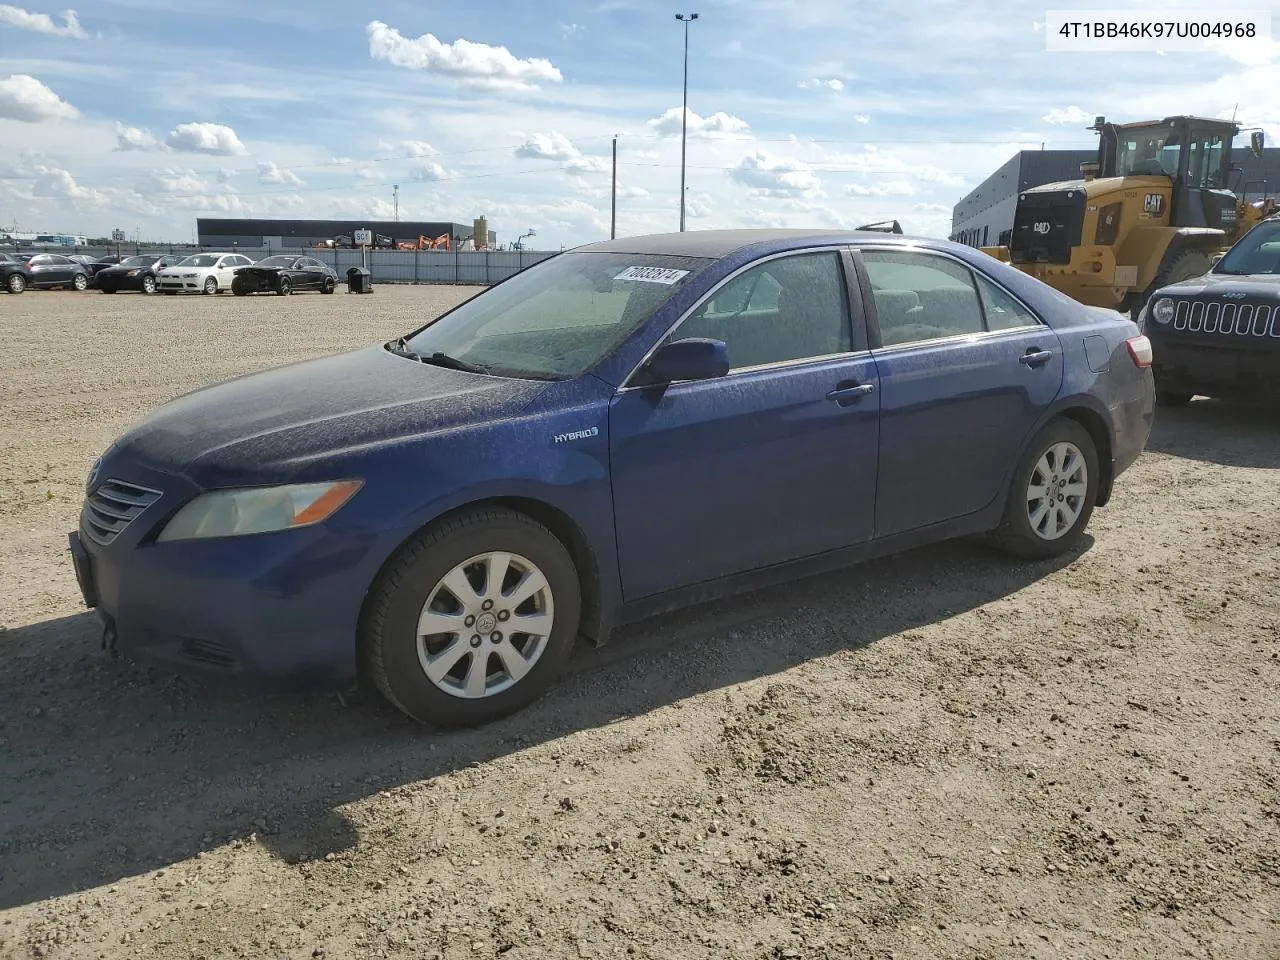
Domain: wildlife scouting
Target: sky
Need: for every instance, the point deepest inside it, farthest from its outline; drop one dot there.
(145, 114)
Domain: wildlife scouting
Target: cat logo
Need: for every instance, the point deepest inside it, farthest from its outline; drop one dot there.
(1042, 227)
(1153, 204)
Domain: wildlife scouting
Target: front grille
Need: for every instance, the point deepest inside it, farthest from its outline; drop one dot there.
(112, 507)
(1227, 318)
(1046, 226)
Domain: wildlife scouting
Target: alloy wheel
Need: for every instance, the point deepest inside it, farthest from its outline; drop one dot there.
(485, 625)
(1056, 491)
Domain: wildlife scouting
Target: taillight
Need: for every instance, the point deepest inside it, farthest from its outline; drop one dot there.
(1139, 350)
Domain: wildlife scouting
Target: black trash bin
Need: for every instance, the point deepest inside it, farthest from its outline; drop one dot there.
(359, 280)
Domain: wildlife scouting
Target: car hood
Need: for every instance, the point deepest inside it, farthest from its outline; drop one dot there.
(176, 271)
(1218, 284)
(272, 423)
(116, 268)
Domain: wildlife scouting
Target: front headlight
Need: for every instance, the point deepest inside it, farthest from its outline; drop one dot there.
(233, 513)
(132, 273)
(1162, 310)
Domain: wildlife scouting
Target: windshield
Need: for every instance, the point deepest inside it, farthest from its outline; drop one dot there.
(138, 262)
(1149, 151)
(275, 262)
(200, 260)
(1257, 252)
(559, 318)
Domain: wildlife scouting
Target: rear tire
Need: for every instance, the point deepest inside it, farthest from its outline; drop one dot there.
(148, 285)
(284, 288)
(329, 285)
(458, 552)
(16, 283)
(1052, 495)
(80, 282)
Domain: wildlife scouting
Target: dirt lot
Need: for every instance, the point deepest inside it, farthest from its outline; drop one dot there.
(941, 755)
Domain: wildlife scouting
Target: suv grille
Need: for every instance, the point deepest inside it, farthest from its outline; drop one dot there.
(1229, 318)
(112, 507)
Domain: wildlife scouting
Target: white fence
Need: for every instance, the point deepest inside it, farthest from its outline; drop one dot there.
(386, 266)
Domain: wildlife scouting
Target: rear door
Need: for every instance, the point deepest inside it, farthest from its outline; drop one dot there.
(965, 371)
(313, 273)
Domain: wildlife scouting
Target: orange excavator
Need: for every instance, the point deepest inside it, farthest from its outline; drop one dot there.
(439, 243)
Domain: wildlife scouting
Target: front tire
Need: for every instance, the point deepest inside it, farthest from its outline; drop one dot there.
(442, 639)
(1052, 495)
(211, 286)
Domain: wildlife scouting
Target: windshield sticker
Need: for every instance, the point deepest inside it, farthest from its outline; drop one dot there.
(652, 275)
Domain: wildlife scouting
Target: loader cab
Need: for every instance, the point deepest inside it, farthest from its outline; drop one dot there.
(1194, 153)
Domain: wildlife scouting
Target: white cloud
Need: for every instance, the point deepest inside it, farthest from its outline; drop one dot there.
(572, 29)
(135, 138)
(211, 138)
(472, 64)
(834, 84)
(698, 206)
(11, 16)
(225, 175)
(27, 99)
(771, 176)
(428, 170)
(407, 148)
(874, 160)
(861, 118)
(172, 181)
(717, 126)
(56, 183)
(269, 172)
(1072, 115)
(892, 188)
(558, 147)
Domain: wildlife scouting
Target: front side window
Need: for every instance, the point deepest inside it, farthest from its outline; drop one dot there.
(791, 308)
(560, 317)
(919, 296)
(1204, 162)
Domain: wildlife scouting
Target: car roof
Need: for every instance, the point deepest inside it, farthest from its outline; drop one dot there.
(714, 244)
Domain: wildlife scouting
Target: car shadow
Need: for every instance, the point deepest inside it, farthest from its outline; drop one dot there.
(1229, 433)
(111, 769)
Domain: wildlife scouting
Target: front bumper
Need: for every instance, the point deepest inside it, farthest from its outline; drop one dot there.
(1216, 371)
(181, 284)
(279, 607)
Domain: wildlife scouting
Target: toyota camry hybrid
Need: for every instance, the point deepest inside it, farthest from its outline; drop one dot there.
(624, 428)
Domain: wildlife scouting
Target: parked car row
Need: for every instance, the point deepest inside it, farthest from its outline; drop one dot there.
(206, 273)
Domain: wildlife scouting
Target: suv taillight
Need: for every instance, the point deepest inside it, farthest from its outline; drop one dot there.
(1139, 350)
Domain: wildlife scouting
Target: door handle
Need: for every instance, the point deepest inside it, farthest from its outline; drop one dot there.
(1035, 357)
(850, 392)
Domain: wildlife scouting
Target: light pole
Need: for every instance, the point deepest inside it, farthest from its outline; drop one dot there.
(684, 108)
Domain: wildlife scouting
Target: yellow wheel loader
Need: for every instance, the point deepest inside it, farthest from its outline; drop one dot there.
(1154, 208)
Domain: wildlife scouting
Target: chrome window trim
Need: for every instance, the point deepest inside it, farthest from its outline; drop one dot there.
(834, 248)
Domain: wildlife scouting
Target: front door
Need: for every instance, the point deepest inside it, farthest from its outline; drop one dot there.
(773, 462)
(965, 372)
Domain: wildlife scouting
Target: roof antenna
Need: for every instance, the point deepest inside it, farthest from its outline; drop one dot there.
(1233, 112)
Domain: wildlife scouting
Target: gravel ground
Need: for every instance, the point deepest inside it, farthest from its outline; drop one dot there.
(945, 754)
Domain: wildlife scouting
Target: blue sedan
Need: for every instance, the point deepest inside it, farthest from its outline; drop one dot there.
(624, 428)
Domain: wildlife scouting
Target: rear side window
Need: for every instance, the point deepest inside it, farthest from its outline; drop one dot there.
(921, 297)
(1003, 312)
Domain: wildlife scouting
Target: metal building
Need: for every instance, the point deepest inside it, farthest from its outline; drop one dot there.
(984, 217)
(252, 234)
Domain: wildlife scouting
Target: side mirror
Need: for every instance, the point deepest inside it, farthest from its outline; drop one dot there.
(1256, 142)
(690, 359)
